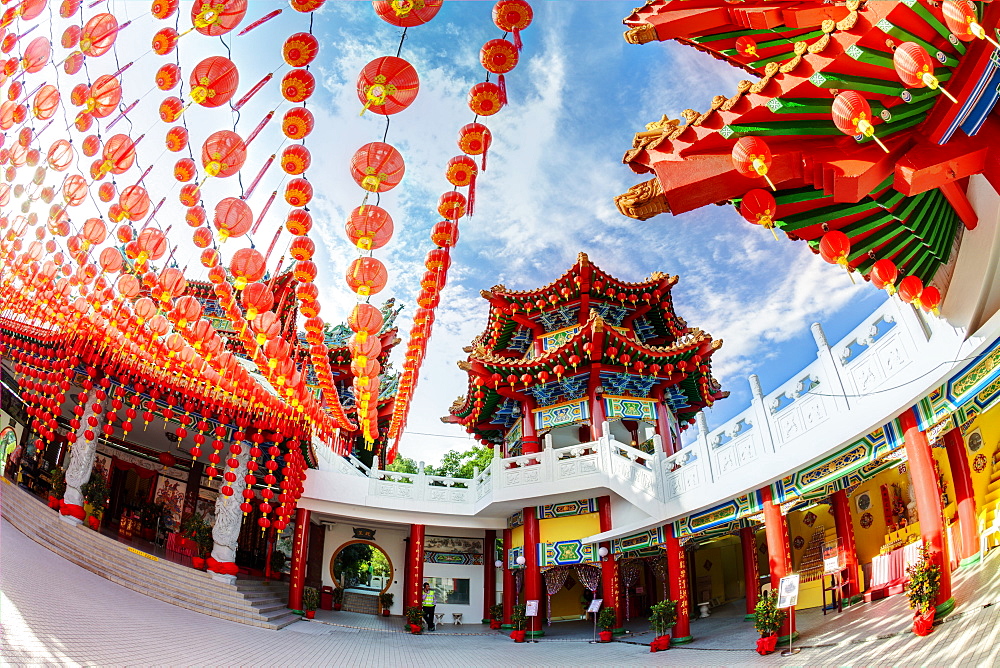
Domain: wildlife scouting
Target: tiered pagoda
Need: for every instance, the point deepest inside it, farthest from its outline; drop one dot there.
(585, 349)
(903, 203)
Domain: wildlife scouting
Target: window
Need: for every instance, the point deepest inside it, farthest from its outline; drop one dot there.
(453, 591)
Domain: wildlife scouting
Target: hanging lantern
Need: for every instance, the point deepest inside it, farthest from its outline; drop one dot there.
(406, 13)
(98, 35)
(759, 207)
(295, 159)
(300, 49)
(256, 298)
(195, 216)
(369, 227)
(512, 16)
(915, 68)
(217, 17)
(930, 300)
(72, 64)
(298, 85)
(883, 275)
(152, 245)
(298, 192)
(387, 85)
(104, 96)
(168, 76)
(202, 237)
(305, 6)
(445, 234)
(960, 18)
(171, 109)
(365, 320)
(75, 190)
(164, 9)
(36, 55)
(299, 222)
(214, 81)
(377, 167)
(233, 218)
(223, 153)
(910, 289)
(177, 138)
(437, 260)
(485, 98)
(302, 248)
(184, 170)
(852, 115)
(60, 155)
(247, 266)
(134, 201)
(366, 276)
(451, 205)
(164, 41)
(834, 247)
(190, 194)
(119, 154)
(746, 47)
(71, 36)
(752, 157)
(297, 123)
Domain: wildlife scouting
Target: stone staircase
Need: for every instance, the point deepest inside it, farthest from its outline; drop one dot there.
(357, 602)
(252, 602)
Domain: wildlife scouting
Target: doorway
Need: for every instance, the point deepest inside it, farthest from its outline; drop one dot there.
(363, 571)
(129, 491)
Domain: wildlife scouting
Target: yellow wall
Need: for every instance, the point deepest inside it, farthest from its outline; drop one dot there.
(568, 528)
(517, 536)
(798, 527)
(988, 425)
(869, 541)
(566, 602)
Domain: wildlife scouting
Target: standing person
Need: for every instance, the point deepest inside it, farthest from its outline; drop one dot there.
(428, 603)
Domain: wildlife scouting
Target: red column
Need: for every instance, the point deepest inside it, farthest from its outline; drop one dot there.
(610, 589)
(529, 437)
(845, 532)
(663, 422)
(416, 565)
(778, 554)
(489, 574)
(965, 497)
(925, 490)
(300, 552)
(532, 574)
(509, 593)
(678, 579)
(751, 579)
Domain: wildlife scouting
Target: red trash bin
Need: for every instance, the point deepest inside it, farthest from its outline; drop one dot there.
(326, 598)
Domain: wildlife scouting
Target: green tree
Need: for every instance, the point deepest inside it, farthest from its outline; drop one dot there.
(457, 464)
(402, 465)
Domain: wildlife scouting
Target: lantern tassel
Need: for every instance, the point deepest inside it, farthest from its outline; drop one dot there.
(250, 93)
(260, 175)
(262, 20)
(267, 205)
(879, 142)
(472, 196)
(947, 94)
(518, 44)
(771, 183)
(485, 151)
(502, 83)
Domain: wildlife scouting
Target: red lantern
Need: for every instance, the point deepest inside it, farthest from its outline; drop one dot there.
(104, 96)
(300, 49)
(69, 7)
(377, 167)
(930, 300)
(485, 98)
(960, 18)
(852, 115)
(512, 16)
(752, 157)
(134, 201)
(177, 138)
(369, 227)
(834, 247)
(915, 68)
(366, 276)
(387, 85)
(298, 85)
(305, 271)
(445, 234)
(365, 318)
(438, 260)
(246, 266)
(223, 153)
(164, 9)
(451, 205)
(217, 17)
(152, 244)
(98, 35)
(171, 109)
(883, 275)
(91, 145)
(305, 6)
(119, 154)
(746, 47)
(256, 298)
(190, 195)
(71, 36)
(295, 159)
(233, 218)
(910, 289)
(164, 41)
(297, 123)
(60, 155)
(36, 55)
(214, 81)
(298, 192)
(407, 13)
(202, 237)
(759, 207)
(302, 248)
(299, 222)
(168, 76)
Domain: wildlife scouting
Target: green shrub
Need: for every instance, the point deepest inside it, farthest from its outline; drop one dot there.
(663, 616)
(924, 584)
(518, 618)
(310, 598)
(606, 619)
(767, 616)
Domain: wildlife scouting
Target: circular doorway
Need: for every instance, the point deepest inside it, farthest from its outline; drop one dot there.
(361, 566)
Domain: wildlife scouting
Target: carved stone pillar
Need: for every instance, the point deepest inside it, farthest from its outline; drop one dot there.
(81, 463)
(228, 521)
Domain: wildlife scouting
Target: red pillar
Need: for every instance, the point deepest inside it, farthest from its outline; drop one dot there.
(845, 532)
(509, 593)
(489, 574)
(678, 579)
(751, 579)
(300, 554)
(610, 589)
(529, 436)
(532, 574)
(925, 490)
(663, 421)
(778, 554)
(965, 497)
(416, 565)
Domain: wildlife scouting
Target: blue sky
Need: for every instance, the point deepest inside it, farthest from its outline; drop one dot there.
(576, 98)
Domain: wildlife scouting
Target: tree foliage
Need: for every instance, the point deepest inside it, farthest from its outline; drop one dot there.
(457, 464)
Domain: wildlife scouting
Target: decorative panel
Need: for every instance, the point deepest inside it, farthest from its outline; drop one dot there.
(553, 340)
(567, 509)
(515, 520)
(639, 541)
(566, 552)
(566, 413)
(735, 509)
(453, 558)
(630, 408)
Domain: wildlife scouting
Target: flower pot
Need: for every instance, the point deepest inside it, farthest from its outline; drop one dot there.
(494, 624)
(94, 522)
(767, 644)
(337, 606)
(660, 643)
(605, 636)
(310, 614)
(198, 562)
(923, 623)
(385, 612)
(53, 502)
(415, 629)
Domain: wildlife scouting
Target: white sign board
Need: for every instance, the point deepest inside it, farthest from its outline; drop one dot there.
(531, 608)
(788, 591)
(595, 605)
(831, 559)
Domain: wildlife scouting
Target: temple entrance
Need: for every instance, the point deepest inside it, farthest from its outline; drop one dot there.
(362, 570)
(130, 491)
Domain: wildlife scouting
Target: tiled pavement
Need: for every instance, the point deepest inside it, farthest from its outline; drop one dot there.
(53, 612)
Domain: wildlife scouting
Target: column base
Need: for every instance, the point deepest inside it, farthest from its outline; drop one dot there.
(507, 627)
(223, 578)
(619, 631)
(297, 612)
(69, 519)
(971, 561)
(484, 621)
(943, 610)
(784, 639)
(681, 641)
(534, 634)
(749, 617)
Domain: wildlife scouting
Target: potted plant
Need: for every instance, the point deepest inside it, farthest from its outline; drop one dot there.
(768, 619)
(338, 598)
(496, 615)
(95, 494)
(518, 619)
(922, 590)
(310, 601)
(414, 618)
(606, 620)
(197, 529)
(278, 560)
(385, 598)
(57, 479)
(663, 615)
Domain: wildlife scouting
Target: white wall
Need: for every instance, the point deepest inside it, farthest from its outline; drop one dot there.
(472, 613)
(389, 539)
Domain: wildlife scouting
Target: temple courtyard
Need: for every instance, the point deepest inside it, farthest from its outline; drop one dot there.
(54, 612)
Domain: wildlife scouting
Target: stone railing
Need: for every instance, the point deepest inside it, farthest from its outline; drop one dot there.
(853, 387)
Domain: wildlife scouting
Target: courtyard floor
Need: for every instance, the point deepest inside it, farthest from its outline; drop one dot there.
(54, 612)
